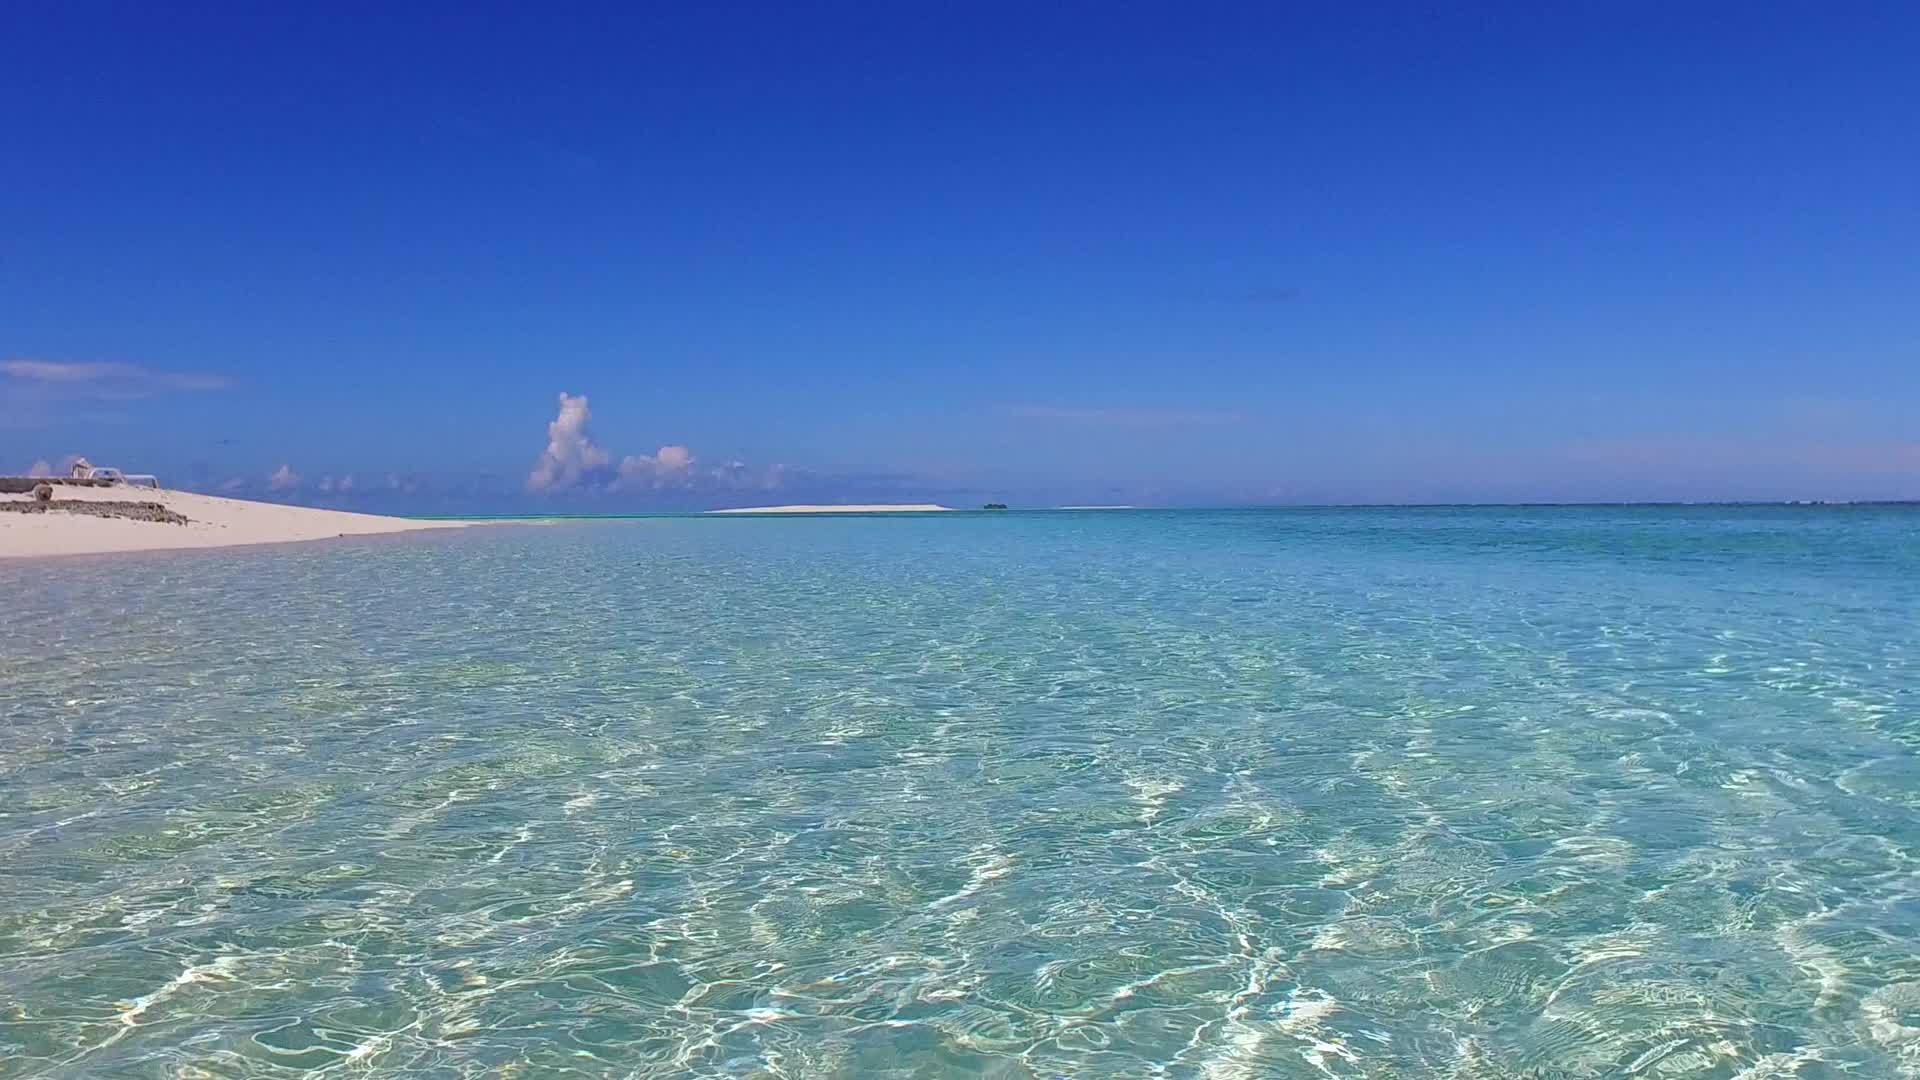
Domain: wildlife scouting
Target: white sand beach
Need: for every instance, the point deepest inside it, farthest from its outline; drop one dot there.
(866, 508)
(213, 522)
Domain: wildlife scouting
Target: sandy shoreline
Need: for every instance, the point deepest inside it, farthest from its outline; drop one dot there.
(868, 508)
(214, 522)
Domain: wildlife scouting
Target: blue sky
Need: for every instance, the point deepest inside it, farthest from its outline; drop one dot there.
(1159, 254)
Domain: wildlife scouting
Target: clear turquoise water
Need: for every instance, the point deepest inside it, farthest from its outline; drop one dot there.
(1386, 793)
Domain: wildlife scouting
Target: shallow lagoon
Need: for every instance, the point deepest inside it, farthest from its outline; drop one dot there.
(1372, 792)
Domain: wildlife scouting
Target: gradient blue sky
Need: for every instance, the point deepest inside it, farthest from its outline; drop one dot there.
(1095, 252)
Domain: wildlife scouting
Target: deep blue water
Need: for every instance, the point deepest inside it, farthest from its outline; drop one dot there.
(1386, 793)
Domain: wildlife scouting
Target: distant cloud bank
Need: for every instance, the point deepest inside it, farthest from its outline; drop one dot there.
(1124, 417)
(1705, 453)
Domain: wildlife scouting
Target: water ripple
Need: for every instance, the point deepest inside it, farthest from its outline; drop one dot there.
(1464, 793)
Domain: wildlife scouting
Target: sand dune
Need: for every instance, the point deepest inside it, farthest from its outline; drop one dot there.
(213, 522)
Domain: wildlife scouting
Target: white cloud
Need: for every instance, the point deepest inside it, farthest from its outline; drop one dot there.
(570, 455)
(669, 464)
(40, 468)
(55, 371)
(234, 484)
(283, 479)
(107, 379)
(573, 461)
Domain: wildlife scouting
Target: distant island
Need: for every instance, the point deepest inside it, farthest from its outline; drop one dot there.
(994, 506)
(863, 508)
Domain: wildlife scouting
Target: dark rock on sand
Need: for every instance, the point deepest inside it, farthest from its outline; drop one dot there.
(132, 511)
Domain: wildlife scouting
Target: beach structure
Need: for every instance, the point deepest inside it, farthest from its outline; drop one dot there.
(85, 470)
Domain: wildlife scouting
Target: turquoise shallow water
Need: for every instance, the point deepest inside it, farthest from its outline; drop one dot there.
(1385, 793)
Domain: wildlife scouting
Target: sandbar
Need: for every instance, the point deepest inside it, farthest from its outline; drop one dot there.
(213, 522)
(866, 508)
